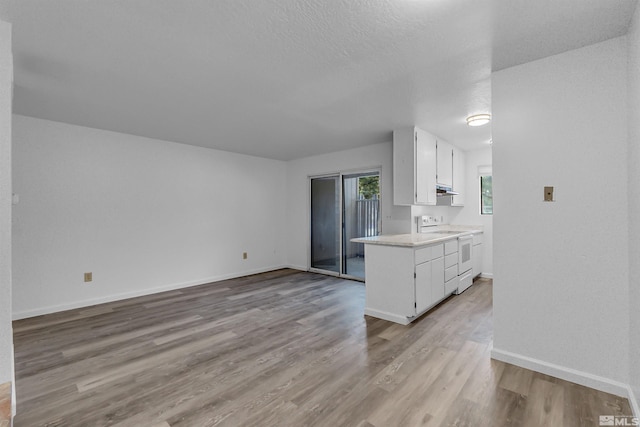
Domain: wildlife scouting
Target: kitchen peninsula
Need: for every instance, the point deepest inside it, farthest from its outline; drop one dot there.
(408, 274)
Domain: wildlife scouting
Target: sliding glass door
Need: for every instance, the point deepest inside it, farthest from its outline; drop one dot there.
(343, 207)
(325, 223)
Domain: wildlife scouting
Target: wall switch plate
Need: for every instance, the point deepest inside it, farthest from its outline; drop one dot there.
(88, 277)
(548, 194)
(244, 255)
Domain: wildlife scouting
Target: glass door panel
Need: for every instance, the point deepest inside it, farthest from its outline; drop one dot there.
(325, 223)
(361, 218)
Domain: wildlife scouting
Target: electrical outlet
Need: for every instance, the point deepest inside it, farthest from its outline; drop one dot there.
(88, 277)
(244, 255)
(548, 194)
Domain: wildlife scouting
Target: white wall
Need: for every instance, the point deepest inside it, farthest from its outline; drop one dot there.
(470, 214)
(395, 219)
(143, 215)
(561, 279)
(633, 42)
(6, 79)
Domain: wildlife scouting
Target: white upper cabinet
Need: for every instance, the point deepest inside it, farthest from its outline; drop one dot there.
(458, 177)
(414, 167)
(420, 161)
(425, 168)
(445, 163)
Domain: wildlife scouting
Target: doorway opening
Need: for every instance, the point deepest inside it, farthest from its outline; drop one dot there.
(343, 207)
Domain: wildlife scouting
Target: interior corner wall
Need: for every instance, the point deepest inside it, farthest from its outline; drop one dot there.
(633, 45)
(470, 213)
(6, 81)
(395, 219)
(561, 273)
(142, 215)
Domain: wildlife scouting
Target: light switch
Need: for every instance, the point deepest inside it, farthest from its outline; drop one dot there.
(548, 194)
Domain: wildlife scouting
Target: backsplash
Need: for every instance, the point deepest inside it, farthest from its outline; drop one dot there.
(443, 214)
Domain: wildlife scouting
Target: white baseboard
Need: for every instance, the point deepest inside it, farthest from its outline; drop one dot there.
(13, 381)
(633, 402)
(386, 316)
(297, 267)
(17, 315)
(486, 275)
(579, 377)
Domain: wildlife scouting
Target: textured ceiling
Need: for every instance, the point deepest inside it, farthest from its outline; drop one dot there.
(285, 79)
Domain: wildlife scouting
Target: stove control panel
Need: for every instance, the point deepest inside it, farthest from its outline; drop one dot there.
(427, 221)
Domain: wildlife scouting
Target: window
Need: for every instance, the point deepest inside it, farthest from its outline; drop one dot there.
(486, 195)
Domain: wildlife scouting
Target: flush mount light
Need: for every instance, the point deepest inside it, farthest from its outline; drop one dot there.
(478, 119)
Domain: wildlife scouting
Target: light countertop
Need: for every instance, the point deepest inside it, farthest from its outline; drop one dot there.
(415, 240)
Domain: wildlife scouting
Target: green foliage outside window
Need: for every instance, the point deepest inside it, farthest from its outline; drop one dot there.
(486, 195)
(369, 186)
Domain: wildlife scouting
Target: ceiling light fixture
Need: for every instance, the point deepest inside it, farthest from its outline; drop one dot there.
(478, 119)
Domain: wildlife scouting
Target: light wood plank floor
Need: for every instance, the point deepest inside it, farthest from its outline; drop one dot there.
(284, 348)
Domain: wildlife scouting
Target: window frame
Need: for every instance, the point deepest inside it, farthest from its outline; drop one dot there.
(482, 204)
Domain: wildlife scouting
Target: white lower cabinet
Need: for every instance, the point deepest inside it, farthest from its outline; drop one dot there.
(451, 280)
(451, 286)
(423, 286)
(402, 282)
(429, 280)
(437, 280)
(451, 273)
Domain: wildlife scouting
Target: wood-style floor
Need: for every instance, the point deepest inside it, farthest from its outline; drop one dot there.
(285, 348)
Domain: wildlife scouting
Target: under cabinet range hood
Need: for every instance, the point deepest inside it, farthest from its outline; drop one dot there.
(442, 190)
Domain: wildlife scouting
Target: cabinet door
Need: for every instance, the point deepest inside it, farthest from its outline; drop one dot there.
(425, 168)
(458, 177)
(437, 280)
(423, 286)
(403, 166)
(445, 163)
